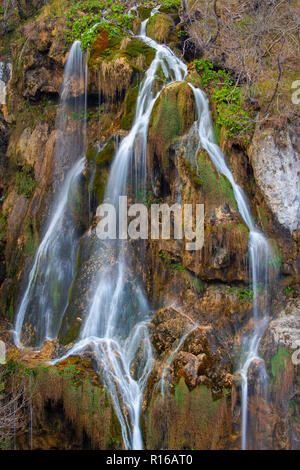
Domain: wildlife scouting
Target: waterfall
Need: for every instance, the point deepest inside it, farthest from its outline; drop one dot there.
(5, 74)
(259, 252)
(162, 382)
(118, 316)
(116, 326)
(46, 295)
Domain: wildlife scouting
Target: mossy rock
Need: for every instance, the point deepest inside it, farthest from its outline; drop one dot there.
(105, 156)
(144, 12)
(86, 405)
(130, 108)
(173, 114)
(159, 27)
(279, 362)
(217, 188)
(186, 420)
(103, 161)
(136, 48)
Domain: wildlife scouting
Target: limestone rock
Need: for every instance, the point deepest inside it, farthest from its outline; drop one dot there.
(276, 163)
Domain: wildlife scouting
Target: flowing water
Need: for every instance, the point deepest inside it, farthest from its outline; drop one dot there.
(116, 327)
(259, 253)
(46, 295)
(117, 321)
(5, 74)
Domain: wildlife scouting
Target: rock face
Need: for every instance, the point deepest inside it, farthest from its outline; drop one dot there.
(275, 159)
(201, 301)
(159, 27)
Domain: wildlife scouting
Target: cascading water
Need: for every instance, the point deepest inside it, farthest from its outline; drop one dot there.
(46, 295)
(169, 361)
(117, 322)
(259, 252)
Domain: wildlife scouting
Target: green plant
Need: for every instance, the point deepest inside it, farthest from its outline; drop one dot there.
(230, 108)
(289, 291)
(86, 19)
(242, 293)
(3, 225)
(176, 266)
(170, 4)
(24, 181)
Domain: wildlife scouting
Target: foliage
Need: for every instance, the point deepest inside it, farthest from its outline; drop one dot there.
(226, 96)
(241, 293)
(196, 283)
(176, 266)
(170, 4)
(86, 19)
(289, 291)
(24, 181)
(3, 226)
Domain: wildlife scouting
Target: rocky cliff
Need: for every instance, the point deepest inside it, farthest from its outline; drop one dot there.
(201, 301)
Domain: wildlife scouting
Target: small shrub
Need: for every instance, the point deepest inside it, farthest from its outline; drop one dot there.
(24, 181)
(227, 98)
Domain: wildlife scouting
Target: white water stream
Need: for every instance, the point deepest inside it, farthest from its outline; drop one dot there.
(46, 294)
(116, 326)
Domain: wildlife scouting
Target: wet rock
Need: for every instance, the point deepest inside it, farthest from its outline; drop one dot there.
(159, 27)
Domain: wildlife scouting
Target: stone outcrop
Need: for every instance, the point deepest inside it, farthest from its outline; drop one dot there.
(275, 157)
(201, 301)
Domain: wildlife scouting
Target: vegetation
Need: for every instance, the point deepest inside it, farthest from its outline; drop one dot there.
(177, 266)
(279, 361)
(230, 106)
(24, 181)
(85, 19)
(252, 39)
(242, 293)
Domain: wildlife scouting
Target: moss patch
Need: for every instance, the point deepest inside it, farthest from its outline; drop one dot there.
(129, 108)
(187, 420)
(216, 187)
(172, 115)
(279, 362)
(159, 27)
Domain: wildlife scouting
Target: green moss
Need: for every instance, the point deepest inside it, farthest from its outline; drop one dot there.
(144, 12)
(105, 156)
(91, 153)
(216, 187)
(172, 116)
(279, 361)
(185, 420)
(24, 181)
(159, 27)
(168, 120)
(196, 283)
(129, 108)
(137, 48)
(31, 236)
(86, 404)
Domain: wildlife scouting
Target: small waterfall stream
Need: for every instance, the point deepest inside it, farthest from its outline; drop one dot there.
(120, 334)
(116, 326)
(46, 295)
(259, 253)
